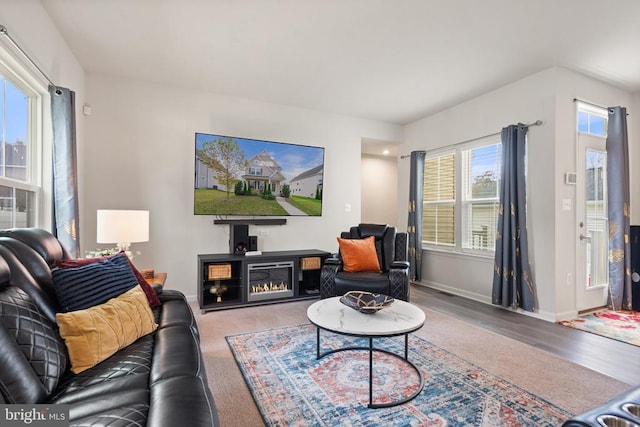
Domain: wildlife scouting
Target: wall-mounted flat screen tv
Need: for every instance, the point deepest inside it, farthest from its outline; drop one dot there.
(250, 177)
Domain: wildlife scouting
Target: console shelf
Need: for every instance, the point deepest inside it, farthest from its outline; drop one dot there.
(231, 281)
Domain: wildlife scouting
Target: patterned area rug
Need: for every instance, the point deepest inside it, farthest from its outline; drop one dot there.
(618, 325)
(291, 387)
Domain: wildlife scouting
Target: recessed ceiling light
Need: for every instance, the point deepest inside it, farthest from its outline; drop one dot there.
(385, 152)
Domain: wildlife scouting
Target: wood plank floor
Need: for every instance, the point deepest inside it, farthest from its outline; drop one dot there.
(607, 356)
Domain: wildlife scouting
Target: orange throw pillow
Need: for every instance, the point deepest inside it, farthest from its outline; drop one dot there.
(359, 255)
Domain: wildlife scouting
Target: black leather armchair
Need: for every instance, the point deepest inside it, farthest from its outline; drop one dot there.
(392, 250)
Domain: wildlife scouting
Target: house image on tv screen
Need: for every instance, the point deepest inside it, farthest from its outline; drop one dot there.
(263, 170)
(205, 176)
(237, 176)
(308, 183)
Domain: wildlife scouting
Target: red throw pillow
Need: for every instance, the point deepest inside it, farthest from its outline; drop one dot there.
(146, 287)
(359, 255)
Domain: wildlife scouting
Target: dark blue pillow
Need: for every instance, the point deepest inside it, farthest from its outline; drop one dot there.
(92, 284)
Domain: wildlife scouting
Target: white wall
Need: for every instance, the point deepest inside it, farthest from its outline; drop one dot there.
(379, 188)
(139, 154)
(546, 96)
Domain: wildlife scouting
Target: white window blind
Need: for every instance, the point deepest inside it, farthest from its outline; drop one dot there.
(439, 200)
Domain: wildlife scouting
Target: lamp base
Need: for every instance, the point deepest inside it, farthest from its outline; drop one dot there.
(124, 246)
(121, 247)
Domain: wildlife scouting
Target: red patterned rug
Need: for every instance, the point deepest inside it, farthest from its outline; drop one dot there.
(619, 325)
(291, 387)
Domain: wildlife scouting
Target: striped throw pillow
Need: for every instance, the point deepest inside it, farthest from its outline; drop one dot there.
(146, 287)
(83, 287)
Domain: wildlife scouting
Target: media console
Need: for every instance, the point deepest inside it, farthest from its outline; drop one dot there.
(230, 281)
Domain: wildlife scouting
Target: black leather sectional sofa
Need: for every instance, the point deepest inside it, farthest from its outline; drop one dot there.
(158, 380)
(622, 410)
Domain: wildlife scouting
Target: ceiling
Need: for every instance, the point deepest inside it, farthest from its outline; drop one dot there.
(388, 60)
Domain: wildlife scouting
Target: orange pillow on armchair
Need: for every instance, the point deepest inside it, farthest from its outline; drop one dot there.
(359, 255)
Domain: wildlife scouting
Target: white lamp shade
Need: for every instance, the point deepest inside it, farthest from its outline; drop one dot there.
(115, 226)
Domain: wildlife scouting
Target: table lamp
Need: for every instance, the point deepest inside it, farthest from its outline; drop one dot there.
(122, 227)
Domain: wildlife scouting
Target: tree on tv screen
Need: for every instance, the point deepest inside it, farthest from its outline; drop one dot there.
(224, 156)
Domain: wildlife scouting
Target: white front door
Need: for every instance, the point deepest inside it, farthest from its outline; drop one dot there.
(592, 272)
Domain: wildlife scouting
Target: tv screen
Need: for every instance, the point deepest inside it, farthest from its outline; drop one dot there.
(251, 177)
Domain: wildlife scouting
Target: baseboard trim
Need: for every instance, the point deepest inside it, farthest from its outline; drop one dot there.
(455, 291)
(542, 315)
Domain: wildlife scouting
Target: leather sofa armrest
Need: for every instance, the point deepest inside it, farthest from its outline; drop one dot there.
(328, 273)
(333, 260)
(400, 264)
(399, 281)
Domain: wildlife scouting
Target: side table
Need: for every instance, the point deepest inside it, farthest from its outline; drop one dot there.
(158, 279)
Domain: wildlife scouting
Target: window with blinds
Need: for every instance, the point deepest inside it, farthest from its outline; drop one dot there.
(439, 200)
(466, 222)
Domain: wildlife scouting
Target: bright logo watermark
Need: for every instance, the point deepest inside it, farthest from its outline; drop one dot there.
(34, 415)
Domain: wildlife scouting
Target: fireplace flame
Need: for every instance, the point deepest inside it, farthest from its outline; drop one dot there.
(269, 287)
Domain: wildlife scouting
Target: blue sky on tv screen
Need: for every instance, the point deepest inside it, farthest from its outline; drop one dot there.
(294, 159)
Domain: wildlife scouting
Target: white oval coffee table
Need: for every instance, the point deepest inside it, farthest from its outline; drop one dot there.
(399, 318)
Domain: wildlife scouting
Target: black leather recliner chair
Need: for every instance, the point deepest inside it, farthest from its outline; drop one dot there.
(392, 250)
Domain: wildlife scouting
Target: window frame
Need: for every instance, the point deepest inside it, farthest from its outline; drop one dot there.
(590, 110)
(22, 75)
(468, 201)
(463, 234)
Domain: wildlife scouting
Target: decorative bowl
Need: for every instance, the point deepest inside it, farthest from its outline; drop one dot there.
(366, 302)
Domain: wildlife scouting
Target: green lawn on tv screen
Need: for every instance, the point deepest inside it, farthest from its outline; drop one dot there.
(215, 202)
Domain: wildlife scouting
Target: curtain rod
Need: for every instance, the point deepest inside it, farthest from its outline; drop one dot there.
(5, 32)
(593, 105)
(536, 123)
(589, 103)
